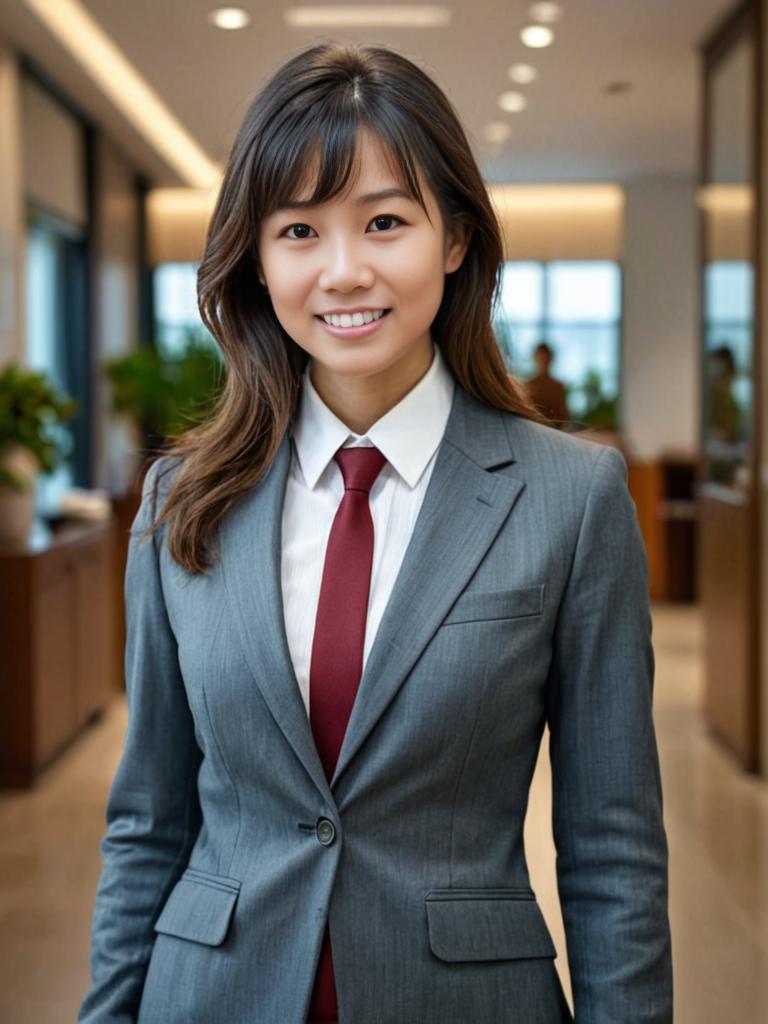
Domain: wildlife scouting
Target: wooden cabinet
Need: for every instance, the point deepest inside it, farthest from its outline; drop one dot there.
(57, 642)
(664, 492)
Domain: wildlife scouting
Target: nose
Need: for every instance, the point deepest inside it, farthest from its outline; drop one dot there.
(345, 268)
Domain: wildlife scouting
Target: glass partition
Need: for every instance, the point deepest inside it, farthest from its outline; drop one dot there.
(729, 227)
(575, 307)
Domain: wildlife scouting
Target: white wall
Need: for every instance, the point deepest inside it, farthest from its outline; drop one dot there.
(660, 385)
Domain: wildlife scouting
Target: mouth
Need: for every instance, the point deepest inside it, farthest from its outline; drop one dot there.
(357, 319)
(354, 325)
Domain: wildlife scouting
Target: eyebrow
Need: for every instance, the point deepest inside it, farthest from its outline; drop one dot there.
(364, 200)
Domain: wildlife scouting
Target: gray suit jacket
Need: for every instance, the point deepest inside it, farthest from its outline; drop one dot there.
(522, 600)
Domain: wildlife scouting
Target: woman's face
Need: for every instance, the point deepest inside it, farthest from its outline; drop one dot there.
(368, 250)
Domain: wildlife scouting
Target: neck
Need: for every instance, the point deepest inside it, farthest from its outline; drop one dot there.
(359, 401)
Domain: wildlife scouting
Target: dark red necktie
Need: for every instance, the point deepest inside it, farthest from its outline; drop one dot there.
(338, 644)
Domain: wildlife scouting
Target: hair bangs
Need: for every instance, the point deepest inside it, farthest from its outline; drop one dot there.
(317, 158)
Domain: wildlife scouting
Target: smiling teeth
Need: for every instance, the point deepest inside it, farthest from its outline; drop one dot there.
(353, 319)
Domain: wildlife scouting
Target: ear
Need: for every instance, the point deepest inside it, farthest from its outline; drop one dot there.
(258, 268)
(456, 245)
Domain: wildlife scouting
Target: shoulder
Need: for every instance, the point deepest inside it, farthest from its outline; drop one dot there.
(575, 484)
(545, 450)
(161, 473)
(569, 478)
(156, 484)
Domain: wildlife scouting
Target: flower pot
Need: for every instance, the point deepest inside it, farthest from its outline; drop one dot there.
(17, 508)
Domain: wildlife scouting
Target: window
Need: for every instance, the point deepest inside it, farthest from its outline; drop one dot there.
(55, 146)
(575, 306)
(728, 340)
(57, 342)
(177, 319)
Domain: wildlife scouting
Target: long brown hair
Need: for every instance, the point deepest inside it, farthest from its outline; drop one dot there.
(314, 107)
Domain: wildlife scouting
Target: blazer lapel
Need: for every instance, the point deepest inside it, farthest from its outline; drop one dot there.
(464, 508)
(251, 543)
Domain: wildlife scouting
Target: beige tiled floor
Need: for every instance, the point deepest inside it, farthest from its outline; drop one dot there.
(717, 826)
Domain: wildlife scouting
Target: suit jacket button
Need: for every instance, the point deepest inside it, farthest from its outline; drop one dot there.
(326, 831)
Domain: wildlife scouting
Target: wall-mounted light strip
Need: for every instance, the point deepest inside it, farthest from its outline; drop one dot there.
(369, 16)
(92, 48)
(589, 196)
(725, 198)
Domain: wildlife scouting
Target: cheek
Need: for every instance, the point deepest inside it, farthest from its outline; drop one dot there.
(286, 284)
(419, 275)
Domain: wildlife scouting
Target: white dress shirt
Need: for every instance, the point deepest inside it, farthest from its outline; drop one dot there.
(408, 436)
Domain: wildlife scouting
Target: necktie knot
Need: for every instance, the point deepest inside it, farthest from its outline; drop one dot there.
(360, 467)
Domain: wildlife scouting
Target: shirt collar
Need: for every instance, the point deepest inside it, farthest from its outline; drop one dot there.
(407, 435)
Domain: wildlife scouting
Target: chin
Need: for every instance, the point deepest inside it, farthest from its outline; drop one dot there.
(361, 359)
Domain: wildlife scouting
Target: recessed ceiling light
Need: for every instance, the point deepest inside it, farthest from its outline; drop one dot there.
(546, 13)
(512, 102)
(522, 73)
(369, 16)
(537, 36)
(497, 131)
(229, 17)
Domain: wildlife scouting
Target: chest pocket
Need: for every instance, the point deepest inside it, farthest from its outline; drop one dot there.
(480, 605)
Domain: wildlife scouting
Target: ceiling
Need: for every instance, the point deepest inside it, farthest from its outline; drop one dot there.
(571, 129)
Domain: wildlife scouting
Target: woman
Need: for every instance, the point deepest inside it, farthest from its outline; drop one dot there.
(354, 597)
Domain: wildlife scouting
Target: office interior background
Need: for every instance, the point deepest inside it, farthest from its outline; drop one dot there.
(624, 147)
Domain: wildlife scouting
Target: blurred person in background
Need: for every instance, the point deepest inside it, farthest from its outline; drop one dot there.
(548, 393)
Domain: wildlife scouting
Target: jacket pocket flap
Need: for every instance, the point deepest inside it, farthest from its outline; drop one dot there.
(199, 908)
(473, 605)
(493, 924)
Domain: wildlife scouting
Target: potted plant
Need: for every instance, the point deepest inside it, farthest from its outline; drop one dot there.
(166, 393)
(600, 413)
(32, 410)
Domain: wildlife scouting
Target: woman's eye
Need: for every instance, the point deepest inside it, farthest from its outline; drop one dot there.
(384, 222)
(386, 217)
(301, 228)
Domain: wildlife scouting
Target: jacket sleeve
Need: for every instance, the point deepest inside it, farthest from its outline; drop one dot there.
(152, 813)
(612, 857)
